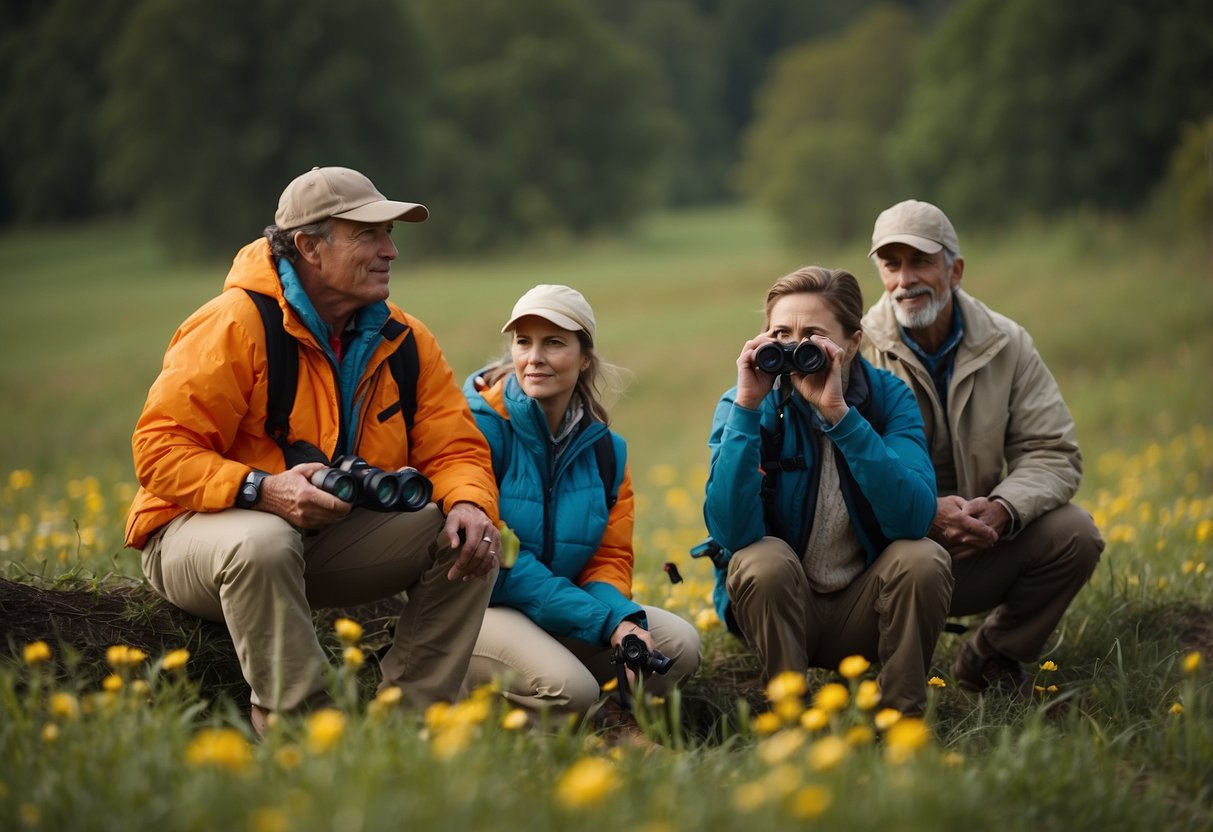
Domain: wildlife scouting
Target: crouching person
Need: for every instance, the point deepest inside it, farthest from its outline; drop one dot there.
(299, 361)
(820, 492)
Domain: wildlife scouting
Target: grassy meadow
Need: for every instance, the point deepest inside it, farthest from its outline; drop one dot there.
(1121, 737)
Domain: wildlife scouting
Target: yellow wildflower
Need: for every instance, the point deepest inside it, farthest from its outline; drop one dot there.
(953, 759)
(814, 719)
(289, 756)
(140, 688)
(852, 667)
(20, 479)
(37, 652)
(269, 819)
(810, 802)
(112, 683)
(353, 657)
(176, 659)
(64, 706)
(586, 783)
(859, 735)
(437, 715)
(782, 780)
(904, 739)
(778, 747)
(832, 697)
(611, 684)
(121, 656)
(1204, 531)
(1192, 662)
(349, 631)
(515, 720)
(1052, 688)
(886, 718)
(787, 684)
(324, 729)
(749, 796)
(31, 815)
(826, 753)
(50, 732)
(867, 696)
(937, 682)
(220, 747)
(1177, 708)
(706, 620)
(391, 695)
(1050, 666)
(452, 740)
(767, 723)
(789, 710)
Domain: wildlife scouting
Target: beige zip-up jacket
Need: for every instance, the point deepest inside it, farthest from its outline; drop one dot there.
(1011, 434)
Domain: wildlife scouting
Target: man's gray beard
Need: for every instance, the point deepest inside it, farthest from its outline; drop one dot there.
(924, 317)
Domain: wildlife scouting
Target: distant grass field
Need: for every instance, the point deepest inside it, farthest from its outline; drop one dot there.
(1122, 737)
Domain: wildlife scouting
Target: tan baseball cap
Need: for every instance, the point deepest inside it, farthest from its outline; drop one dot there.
(563, 306)
(917, 224)
(343, 193)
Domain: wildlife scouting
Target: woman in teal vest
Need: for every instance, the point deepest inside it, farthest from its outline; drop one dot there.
(557, 613)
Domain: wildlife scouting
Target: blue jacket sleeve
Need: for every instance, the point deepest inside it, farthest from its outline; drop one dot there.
(733, 502)
(893, 471)
(621, 606)
(556, 604)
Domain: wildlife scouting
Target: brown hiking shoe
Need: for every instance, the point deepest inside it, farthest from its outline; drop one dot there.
(977, 673)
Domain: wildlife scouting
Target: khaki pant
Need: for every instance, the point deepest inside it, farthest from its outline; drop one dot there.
(1028, 581)
(540, 671)
(261, 576)
(892, 613)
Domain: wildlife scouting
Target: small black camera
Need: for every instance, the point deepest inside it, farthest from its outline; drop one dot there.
(633, 652)
(777, 357)
(353, 480)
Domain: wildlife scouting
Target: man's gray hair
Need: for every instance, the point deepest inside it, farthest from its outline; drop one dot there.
(282, 240)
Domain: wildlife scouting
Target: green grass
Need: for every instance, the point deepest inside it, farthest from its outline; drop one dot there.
(1122, 319)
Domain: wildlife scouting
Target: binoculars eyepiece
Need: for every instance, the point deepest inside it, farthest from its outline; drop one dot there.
(633, 652)
(778, 357)
(353, 480)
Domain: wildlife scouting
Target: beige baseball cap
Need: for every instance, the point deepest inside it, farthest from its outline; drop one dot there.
(343, 193)
(917, 224)
(562, 305)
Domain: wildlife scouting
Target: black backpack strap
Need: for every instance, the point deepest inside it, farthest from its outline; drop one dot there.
(608, 467)
(282, 355)
(282, 377)
(405, 365)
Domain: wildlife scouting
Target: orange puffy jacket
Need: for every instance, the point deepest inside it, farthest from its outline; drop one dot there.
(203, 426)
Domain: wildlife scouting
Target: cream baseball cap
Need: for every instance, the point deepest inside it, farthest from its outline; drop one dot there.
(917, 224)
(343, 193)
(562, 305)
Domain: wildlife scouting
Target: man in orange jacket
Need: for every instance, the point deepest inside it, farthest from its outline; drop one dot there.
(232, 527)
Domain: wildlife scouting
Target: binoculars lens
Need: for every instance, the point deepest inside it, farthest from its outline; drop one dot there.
(355, 481)
(338, 483)
(415, 490)
(776, 357)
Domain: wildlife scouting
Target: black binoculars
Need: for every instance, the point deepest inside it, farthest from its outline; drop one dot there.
(633, 652)
(353, 480)
(778, 357)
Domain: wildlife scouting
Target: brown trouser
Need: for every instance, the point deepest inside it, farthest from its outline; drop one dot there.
(1028, 581)
(540, 671)
(892, 613)
(261, 576)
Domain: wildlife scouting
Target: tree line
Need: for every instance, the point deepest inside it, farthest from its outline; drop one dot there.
(520, 118)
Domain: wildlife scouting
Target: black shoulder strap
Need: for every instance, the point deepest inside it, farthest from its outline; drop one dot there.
(405, 365)
(282, 353)
(604, 452)
(282, 377)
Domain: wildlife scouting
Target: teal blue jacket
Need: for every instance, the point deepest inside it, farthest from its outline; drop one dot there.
(573, 574)
(887, 479)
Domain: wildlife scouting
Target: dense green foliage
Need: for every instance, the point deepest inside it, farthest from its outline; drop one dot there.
(814, 155)
(1037, 106)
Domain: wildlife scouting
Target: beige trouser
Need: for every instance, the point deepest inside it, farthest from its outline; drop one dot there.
(1028, 581)
(892, 613)
(540, 671)
(261, 576)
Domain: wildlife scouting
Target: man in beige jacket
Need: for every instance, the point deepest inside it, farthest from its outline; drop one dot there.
(1002, 441)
